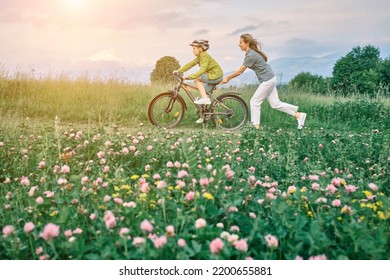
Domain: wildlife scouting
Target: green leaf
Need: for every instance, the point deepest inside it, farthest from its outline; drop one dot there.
(196, 246)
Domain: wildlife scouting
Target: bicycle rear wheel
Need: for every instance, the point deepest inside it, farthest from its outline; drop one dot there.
(166, 110)
(230, 112)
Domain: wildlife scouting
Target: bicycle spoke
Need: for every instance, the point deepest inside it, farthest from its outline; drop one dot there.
(230, 113)
(166, 111)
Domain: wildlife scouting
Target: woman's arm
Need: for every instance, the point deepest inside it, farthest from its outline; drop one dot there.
(235, 74)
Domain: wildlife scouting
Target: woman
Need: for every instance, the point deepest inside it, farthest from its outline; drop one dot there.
(256, 60)
(209, 74)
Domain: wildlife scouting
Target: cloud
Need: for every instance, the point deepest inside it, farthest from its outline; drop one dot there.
(300, 47)
(201, 32)
(244, 29)
(265, 25)
(10, 16)
(210, 1)
(105, 55)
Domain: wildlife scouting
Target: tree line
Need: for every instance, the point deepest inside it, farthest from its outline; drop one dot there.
(361, 71)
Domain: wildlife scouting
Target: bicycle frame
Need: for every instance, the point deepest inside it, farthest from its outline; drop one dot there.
(222, 110)
(187, 88)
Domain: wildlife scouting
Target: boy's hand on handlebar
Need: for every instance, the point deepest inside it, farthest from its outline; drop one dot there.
(179, 75)
(224, 81)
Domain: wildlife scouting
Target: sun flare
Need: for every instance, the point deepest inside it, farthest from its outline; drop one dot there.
(76, 4)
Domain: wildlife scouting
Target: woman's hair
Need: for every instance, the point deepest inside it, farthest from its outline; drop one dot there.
(254, 45)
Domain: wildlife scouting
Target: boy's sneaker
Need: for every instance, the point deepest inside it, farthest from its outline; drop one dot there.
(203, 101)
(201, 120)
(301, 120)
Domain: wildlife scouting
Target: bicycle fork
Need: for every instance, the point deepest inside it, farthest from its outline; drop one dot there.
(172, 100)
(206, 111)
(169, 107)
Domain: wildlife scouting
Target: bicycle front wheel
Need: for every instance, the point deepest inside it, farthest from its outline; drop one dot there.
(166, 110)
(229, 112)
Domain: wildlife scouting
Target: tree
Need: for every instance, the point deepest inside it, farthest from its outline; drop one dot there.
(384, 72)
(357, 70)
(162, 73)
(310, 82)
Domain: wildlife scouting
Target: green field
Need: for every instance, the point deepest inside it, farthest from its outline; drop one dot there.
(99, 182)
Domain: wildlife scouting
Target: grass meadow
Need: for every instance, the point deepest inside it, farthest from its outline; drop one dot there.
(83, 175)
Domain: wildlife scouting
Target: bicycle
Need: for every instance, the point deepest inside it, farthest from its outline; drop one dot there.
(227, 111)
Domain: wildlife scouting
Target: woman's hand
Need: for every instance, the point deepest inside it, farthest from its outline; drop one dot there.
(224, 81)
(235, 74)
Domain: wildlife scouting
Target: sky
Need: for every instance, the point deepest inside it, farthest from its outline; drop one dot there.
(125, 37)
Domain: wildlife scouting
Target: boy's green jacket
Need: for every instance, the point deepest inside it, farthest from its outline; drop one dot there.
(207, 65)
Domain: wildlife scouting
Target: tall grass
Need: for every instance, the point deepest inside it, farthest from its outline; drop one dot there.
(111, 101)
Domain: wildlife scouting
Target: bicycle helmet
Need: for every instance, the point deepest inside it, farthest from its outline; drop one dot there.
(204, 44)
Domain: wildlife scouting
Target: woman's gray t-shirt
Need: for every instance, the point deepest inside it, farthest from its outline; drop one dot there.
(253, 60)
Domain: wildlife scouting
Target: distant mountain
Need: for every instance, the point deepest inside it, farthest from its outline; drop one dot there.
(287, 68)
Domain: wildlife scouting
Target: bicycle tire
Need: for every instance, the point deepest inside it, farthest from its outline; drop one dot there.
(177, 116)
(224, 125)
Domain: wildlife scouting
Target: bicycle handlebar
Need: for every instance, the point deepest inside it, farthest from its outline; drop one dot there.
(179, 76)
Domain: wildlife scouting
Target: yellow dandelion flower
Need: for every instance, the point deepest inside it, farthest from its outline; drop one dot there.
(207, 160)
(303, 190)
(103, 207)
(121, 181)
(362, 218)
(372, 206)
(362, 205)
(382, 215)
(220, 121)
(339, 218)
(54, 213)
(177, 114)
(125, 187)
(177, 187)
(170, 188)
(116, 188)
(145, 176)
(310, 214)
(115, 195)
(208, 196)
(142, 196)
(134, 177)
(379, 203)
(367, 193)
